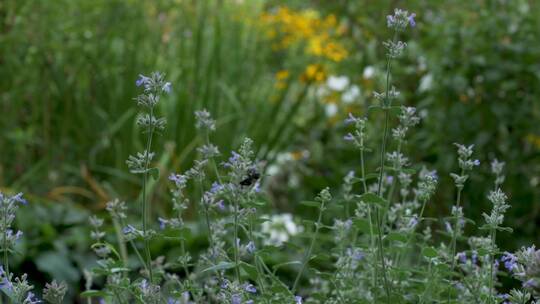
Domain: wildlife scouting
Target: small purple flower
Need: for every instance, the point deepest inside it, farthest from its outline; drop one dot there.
(174, 301)
(166, 87)
(411, 20)
(390, 19)
(236, 299)
(476, 162)
(529, 284)
(250, 247)
(298, 300)
(142, 80)
(413, 221)
(510, 261)
(257, 187)
(128, 229)
(216, 187)
(18, 198)
(348, 137)
(220, 205)
(448, 227)
(351, 119)
(31, 299)
(250, 288)
(178, 179)
(162, 223)
(224, 284)
(462, 257)
(474, 257)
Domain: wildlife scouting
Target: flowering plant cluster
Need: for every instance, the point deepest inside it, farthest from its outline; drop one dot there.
(376, 230)
(369, 241)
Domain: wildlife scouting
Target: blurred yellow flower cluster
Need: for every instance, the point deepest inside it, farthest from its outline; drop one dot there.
(314, 73)
(318, 35)
(534, 139)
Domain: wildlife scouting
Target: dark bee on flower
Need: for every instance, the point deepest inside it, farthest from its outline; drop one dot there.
(252, 176)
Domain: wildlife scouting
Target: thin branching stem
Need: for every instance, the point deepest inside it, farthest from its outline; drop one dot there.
(307, 256)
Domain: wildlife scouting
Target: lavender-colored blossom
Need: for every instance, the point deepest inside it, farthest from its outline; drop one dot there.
(529, 283)
(178, 179)
(220, 205)
(129, 229)
(348, 137)
(462, 257)
(250, 288)
(166, 87)
(250, 247)
(474, 257)
(31, 299)
(236, 299)
(18, 198)
(173, 301)
(411, 20)
(351, 119)
(510, 261)
(162, 223)
(141, 80)
(298, 300)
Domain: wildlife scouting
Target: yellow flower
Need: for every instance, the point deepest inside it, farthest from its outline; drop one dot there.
(281, 79)
(314, 73)
(318, 36)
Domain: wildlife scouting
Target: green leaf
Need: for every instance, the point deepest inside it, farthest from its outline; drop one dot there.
(154, 172)
(362, 225)
(397, 236)
(250, 270)
(94, 293)
(430, 252)
(220, 266)
(372, 198)
(311, 203)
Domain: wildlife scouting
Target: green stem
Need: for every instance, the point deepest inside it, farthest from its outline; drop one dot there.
(386, 107)
(145, 207)
(307, 256)
(121, 242)
(364, 186)
(236, 253)
(493, 236)
(454, 232)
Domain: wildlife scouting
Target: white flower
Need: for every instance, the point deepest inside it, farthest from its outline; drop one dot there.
(351, 94)
(337, 83)
(425, 83)
(369, 72)
(331, 109)
(280, 228)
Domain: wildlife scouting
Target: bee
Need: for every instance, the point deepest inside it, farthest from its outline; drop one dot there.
(252, 176)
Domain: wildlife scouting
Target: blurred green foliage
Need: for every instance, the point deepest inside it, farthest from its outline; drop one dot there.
(66, 101)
